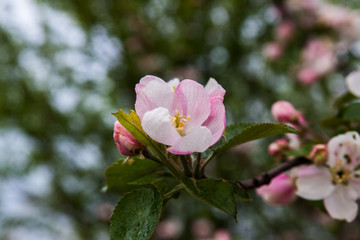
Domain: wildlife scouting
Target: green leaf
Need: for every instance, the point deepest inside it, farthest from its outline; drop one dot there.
(217, 193)
(162, 180)
(351, 112)
(132, 123)
(118, 176)
(239, 133)
(136, 215)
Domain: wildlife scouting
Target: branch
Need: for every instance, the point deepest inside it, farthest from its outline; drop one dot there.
(265, 178)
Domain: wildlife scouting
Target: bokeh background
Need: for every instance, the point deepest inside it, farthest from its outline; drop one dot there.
(65, 66)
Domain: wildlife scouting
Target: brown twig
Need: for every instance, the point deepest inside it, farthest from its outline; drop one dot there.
(266, 177)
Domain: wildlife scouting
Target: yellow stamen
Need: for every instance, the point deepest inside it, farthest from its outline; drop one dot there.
(340, 174)
(179, 122)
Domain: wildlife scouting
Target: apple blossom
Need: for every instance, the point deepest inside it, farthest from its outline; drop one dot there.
(125, 142)
(338, 182)
(353, 83)
(183, 115)
(280, 191)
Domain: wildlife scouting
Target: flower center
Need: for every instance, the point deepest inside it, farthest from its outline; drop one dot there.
(179, 122)
(340, 174)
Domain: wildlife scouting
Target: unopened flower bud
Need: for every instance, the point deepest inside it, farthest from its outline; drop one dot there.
(278, 146)
(353, 83)
(319, 154)
(125, 142)
(284, 111)
(280, 191)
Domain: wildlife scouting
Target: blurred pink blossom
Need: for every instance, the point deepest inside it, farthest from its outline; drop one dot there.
(284, 111)
(280, 191)
(284, 31)
(222, 234)
(169, 229)
(318, 59)
(273, 51)
(308, 76)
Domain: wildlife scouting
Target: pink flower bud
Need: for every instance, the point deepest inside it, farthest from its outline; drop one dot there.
(319, 154)
(125, 142)
(278, 146)
(280, 191)
(284, 111)
(272, 51)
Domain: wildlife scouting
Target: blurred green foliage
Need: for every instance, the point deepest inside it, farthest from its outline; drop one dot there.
(66, 65)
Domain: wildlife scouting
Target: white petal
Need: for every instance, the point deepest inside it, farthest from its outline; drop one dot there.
(342, 203)
(173, 83)
(353, 83)
(156, 123)
(196, 141)
(160, 94)
(314, 183)
(344, 148)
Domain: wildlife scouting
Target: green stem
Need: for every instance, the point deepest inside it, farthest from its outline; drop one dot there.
(211, 157)
(173, 191)
(197, 166)
(185, 163)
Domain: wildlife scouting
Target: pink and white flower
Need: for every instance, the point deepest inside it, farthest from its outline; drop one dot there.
(338, 183)
(183, 115)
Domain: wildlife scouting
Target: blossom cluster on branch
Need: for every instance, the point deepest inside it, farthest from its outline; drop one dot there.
(321, 50)
(178, 127)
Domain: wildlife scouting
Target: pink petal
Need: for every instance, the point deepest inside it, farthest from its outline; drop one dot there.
(152, 92)
(195, 102)
(214, 89)
(216, 121)
(197, 140)
(280, 191)
(342, 203)
(156, 123)
(314, 183)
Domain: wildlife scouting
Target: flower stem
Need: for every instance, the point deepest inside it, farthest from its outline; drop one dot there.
(185, 162)
(173, 191)
(197, 174)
